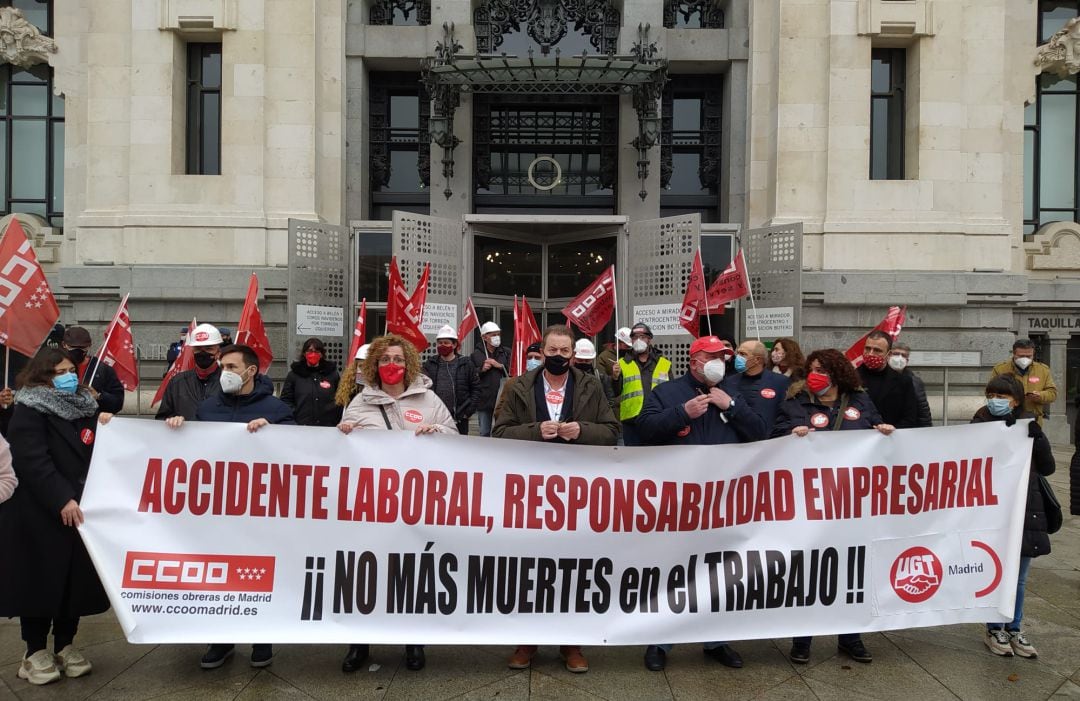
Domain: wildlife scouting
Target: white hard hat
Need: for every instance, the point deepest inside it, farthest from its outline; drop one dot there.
(584, 349)
(489, 327)
(447, 332)
(623, 335)
(205, 335)
(361, 352)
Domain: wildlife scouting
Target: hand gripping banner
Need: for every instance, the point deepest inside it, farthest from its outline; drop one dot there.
(295, 534)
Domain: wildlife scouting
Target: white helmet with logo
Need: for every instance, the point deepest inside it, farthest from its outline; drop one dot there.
(489, 327)
(205, 335)
(623, 335)
(584, 349)
(361, 352)
(446, 332)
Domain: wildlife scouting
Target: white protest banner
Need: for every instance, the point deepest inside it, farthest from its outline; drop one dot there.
(209, 533)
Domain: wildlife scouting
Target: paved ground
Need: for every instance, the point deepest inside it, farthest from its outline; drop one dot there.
(927, 663)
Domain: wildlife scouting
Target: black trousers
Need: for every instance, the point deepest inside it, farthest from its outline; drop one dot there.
(462, 426)
(35, 632)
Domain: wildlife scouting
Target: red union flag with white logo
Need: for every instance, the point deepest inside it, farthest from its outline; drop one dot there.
(250, 331)
(359, 334)
(729, 285)
(591, 310)
(892, 324)
(184, 361)
(28, 310)
(119, 349)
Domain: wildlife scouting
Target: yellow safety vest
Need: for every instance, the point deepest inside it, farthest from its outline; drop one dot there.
(633, 394)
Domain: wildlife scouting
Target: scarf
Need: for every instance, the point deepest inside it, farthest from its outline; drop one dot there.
(50, 400)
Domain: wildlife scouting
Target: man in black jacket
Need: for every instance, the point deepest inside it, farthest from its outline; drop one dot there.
(492, 362)
(188, 389)
(899, 356)
(453, 378)
(892, 393)
(106, 386)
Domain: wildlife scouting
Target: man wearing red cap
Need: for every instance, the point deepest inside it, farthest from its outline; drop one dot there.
(694, 410)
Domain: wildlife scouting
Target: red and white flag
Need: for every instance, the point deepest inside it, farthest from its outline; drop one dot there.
(118, 351)
(359, 334)
(526, 333)
(28, 310)
(419, 297)
(401, 317)
(693, 299)
(250, 331)
(468, 322)
(591, 310)
(892, 324)
(733, 283)
(184, 361)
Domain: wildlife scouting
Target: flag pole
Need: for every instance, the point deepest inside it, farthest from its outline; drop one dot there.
(108, 337)
(7, 366)
(615, 302)
(705, 295)
(750, 289)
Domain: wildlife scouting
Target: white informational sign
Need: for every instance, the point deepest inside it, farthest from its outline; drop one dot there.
(437, 316)
(771, 322)
(312, 320)
(663, 319)
(951, 359)
(298, 534)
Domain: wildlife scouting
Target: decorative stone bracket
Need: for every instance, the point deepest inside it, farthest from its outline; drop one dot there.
(1061, 54)
(896, 20)
(198, 17)
(21, 43)
(1056, 246)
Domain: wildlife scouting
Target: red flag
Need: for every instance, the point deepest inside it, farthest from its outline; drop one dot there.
(118, 352)
(28, 310)
(468, 322)
(184, 361)
(729, 285)
(401, 318)
(891, 324)
(591, 310)
(529, 331)
(250, 331)
(517, 357)
(419, 297)
(693, 300)
(359, 333)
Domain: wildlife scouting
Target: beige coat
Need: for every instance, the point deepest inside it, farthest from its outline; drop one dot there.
(8, 480)
(416, 405)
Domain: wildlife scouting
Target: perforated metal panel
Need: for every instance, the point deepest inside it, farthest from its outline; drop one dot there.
(774, 265)
(318, 275)
(660, 254)
(418, 240)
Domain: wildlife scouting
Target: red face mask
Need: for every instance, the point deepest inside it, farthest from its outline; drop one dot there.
(391, 373)
(818, 382)
(874, 362)
(444, 350)
(313, 358)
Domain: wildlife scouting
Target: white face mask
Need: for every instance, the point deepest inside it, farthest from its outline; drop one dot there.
(714, 370)
(495, 341)
(897, 362)
(231, 382)
(1022, 363)
(640, 346)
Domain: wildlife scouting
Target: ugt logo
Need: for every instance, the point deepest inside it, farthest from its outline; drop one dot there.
(916, 574)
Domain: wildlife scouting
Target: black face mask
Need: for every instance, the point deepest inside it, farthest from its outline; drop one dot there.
(584, 367)
(556, 364)
(204, 360)
(78, 355)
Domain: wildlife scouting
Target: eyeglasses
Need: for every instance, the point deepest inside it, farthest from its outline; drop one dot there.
(396, 360)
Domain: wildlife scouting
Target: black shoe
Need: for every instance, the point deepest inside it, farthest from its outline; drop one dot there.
(355, 657)
(414, 658)
(262, 655)
(725, 655)
(655, 658)
(800, 653)
(216, 655)
(855, 650)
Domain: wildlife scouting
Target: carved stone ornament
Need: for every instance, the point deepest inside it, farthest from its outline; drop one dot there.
(21, 43)
(1061, 55)
(1055, 247)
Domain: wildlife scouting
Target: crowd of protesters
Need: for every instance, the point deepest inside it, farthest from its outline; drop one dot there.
(569, 393)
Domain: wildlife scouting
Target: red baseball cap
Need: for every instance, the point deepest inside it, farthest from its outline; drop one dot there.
(707, 344)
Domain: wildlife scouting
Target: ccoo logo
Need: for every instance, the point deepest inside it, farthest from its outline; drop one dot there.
(916, 574)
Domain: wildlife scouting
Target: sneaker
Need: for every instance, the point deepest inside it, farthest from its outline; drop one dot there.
(72, 663)
(998, 642)
(262, 655)
(216, 655)
(522, 657)
(575, 661)
(1020, 645)
(39, 668)
(855, 650)
(800, 652)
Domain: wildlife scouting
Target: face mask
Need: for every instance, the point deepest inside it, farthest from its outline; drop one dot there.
(584, 367)
(231, 382)
(818, 383)
(640, 346)
(714, 370)
(204, 360)
(1022, 363)
(495, 341)
(998, 406)
(873, 362)
(777, 357)
(391, 373)
(68, 382)
(897, 362)
(444, 351)
(78, 355)
(740, 364)
(313, 358)
(556, 364)
(359, 377)
(533, 363)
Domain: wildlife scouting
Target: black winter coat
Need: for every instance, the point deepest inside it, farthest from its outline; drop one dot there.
(764, 393)
(1074, 472)
(456, 384)
(1036, 540)
(108, 386)
(664, 421)
(41, 556)
(309, 392)
(802, 409)
(893, 394)
(260, 403)
(186, 392)
(490, 380)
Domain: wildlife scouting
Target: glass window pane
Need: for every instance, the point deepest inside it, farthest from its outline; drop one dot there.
(3, 164)
(35, 11)
(28, 159)
(1055, 13)
(211, 134)
(880, 72)
(5, 72)
(575, 264)
(1057, 151)
(404, 111)
(373, 268)
(1048, 217)
(211, 66)
(32, 100)
(1029, 174)
(404, 172)
(1030, 115)
(686, 114)
(879, 139)
(400, 17)
(57, 106)
(685, 178)
(1051, 82)
(507, 267)
(37, 208)
(38, 73)
(57, 167)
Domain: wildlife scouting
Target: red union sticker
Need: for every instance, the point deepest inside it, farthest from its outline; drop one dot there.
(324, 384)
(413, 416)
(202, 336)
(146, 570)
(554, 397)
(86, 436)
(852, 414)
(819, 420)
(916, 574)
(683, 432)
(768, 393)
(1033, 380)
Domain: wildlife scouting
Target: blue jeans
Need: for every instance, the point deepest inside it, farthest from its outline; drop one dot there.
(484, 417)
(666, 647)
(1018, 612)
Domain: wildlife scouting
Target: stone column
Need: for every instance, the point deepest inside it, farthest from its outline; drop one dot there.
(1057, 426)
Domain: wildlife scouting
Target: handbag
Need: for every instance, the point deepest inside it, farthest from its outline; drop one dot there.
(1051, 506)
